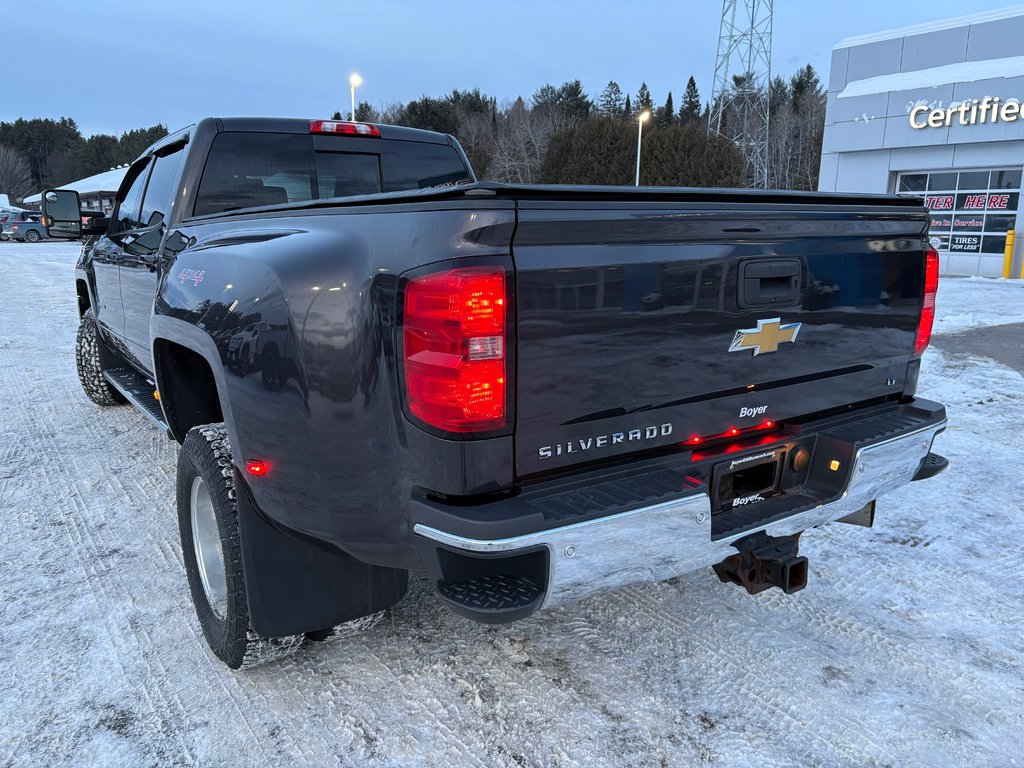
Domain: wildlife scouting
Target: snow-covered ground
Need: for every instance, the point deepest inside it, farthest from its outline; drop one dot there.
(906, 648)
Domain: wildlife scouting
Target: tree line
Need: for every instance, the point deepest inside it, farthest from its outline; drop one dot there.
(559, 135)
(41, 152)
(562, 135)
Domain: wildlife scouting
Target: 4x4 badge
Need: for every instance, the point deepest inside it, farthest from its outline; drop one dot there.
(766, 338)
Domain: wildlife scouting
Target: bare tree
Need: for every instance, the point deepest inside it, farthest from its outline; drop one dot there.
(390, 113)
(521, 140)
(476, 134)
(15, 173)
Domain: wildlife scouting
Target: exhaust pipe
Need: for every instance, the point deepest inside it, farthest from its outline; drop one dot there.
(764, 562)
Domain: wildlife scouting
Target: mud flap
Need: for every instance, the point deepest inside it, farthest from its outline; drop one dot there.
(294, 587)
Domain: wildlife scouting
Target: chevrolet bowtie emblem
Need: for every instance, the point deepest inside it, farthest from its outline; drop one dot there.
(767, 337)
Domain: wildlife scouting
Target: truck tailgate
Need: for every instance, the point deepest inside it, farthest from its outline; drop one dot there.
(644, 324)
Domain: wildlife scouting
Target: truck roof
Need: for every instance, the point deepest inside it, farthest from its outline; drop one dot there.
(289, 125)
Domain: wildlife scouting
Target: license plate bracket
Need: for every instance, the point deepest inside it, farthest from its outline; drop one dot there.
(746, 479)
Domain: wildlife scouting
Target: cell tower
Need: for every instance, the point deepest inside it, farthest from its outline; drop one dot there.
(743, 70)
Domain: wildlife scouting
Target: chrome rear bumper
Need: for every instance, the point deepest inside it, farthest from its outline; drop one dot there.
(664, 540)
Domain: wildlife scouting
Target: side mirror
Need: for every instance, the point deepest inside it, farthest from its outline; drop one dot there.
(62, 215)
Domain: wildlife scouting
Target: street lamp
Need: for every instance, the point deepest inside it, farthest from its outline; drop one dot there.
(354, 81)
(641, 119)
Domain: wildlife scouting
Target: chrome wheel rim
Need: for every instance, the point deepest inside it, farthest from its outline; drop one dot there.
(209, 553)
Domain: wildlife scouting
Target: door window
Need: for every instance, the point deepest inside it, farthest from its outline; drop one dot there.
(157, 203)
(128, 208)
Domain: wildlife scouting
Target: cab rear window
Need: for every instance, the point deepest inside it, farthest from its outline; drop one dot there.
(247, 170)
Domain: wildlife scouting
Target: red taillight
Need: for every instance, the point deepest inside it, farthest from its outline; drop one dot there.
(455, 348)
(931, 287)
(346, 128)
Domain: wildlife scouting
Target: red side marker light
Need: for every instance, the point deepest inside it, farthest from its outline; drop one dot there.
(258, 468)
(695, 440)
(769, 424)
(732, 432)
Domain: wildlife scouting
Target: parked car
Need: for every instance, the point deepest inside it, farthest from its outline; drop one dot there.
(7, 218)
(26, 227)
(531, 393)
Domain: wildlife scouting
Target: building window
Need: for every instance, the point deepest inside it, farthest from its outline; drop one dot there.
(971, 210)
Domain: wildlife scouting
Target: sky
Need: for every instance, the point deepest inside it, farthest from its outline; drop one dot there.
(124, 64)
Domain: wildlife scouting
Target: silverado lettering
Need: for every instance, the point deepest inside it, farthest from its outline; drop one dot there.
(615, 438)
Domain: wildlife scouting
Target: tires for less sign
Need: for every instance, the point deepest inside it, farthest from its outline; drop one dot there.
(965, 243)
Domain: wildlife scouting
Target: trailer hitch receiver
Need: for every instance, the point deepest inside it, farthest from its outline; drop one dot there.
(763, 562)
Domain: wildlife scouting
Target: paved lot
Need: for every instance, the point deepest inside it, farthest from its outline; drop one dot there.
(1002, 343)
(905, 649)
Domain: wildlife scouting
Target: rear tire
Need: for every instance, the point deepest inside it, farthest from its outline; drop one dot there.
(210, 543)
(89, 361)
(32, 236)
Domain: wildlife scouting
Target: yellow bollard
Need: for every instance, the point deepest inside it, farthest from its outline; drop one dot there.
(1008, 255)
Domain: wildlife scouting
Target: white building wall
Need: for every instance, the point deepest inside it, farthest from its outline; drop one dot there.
(868, 136)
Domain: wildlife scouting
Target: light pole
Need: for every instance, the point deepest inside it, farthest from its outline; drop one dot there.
(354, 81)
(641, 119)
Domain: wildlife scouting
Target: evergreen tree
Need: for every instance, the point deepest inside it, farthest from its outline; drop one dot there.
(365, 113)
(627, 109)
(666, 116)
(602, 151)
(569, 97)
(574, 100)
(690, 110)
(336, 115)
(431, 114)
(610, 102)
(644, 102)
(47, 145)
(134, 143)
(470, 102)
(96, 154)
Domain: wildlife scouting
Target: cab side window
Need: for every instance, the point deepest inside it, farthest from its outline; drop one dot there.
(156, 205)
(128, 207)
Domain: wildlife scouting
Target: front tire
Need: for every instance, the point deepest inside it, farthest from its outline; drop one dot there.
(210, 543)
(89, 361)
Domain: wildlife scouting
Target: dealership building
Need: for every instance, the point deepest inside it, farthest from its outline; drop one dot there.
(935, 110)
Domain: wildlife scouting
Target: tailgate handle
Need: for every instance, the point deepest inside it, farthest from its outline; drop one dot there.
(769, 283)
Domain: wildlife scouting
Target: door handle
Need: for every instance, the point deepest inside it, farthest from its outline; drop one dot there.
(769, 283)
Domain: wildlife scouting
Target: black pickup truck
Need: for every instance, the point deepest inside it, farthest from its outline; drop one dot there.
(376, 364)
